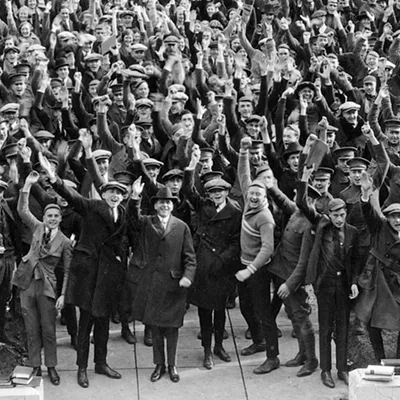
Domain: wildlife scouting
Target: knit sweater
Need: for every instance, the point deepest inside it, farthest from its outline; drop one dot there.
(257, 233)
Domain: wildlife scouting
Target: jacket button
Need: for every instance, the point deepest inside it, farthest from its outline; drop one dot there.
(213, 249)
(386, 256)
(203, 235)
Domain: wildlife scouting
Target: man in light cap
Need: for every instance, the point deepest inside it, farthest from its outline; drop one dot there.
(36, 279)
(333, 267)
(378, 304)
(97, 268)
(216, 242)
(257, 247)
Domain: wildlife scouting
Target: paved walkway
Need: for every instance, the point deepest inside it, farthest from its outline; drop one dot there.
(226, 381)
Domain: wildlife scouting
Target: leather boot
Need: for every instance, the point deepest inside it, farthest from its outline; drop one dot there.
(311, 364)
(300, 357)
(127, 334)
(208, 358)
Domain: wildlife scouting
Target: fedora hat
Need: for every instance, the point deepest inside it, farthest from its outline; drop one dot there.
(164, 194)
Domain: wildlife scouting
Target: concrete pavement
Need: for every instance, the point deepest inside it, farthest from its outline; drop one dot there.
(226, 381)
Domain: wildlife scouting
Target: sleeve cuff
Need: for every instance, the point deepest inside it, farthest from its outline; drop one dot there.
(252, 269)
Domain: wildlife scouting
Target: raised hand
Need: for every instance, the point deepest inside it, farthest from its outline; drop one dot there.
(32, 178)
(245, 143)
(46, 165)
(86, 138)
(137, 188)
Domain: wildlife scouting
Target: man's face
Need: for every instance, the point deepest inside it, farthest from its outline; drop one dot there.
(355, 175)
(144, 112)
(176, 107)
(393, 135)
(255, 156)
(10, 116)
(94, 65)
(330, 138)
(253, 129)
(175, 185)
(307, 94)
(52, 218)
(188, 121)
(256, 196)
(245, 108)
(210, 10)
(370, 88)
(119, 98)
(394, 221)
(18, 87)
(342, 164)
(371, 61)
(46, 143)
(351, 116)
(293, 162)
(163, 207)
(283, 54)
(267, 176)
(218, 196)
(321, 184)
(288, 136)
(64, 14)
(333, 62)
(153, 172)
(331, 6)
(93, 90)
(147, 132)
(12, 57)
(112, 197)
(142, 91)
(207, 164)
(235, 44)
(338, 218)
(138, 55)
(103, 165)
(322, 41)
(63, 72)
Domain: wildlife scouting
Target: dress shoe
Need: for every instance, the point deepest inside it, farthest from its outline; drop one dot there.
(92, 339)
(63, 320)
(158, 372)
(294, 336)
(104, 369)
(173, 373)
(247, 334)
(231, 304)
(298, 360)
(278, 332)
(226, 334)
(267, 366)
(128, 335)
(343, 376)
(199, 335)
(82, 378)
(115, 319)
(208, 359)
(308, 368)
(253, 349)
(220, 352)
(54, 378)
(74, 341)
(327, 380)
(148, 337)
(37, 371)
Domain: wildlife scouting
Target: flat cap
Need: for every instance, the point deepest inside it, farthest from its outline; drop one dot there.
(210, 175)
(253, 118)
(349, 105)
(10, 107)
(336, 204)
(345, 152)
(206, 152)
(113, 185)
(10, 150)
(171, 40)
(138, 47)
(358, 163)
(323, 172)
(369, 79)
(179, 96)
(43, 135)
(52, 206)
(318, 14)
(124, 177)
(101, 154)
(93, 57)
(171, 174)
(217, 183)
(144, 103)
(152, 162)
(393, 208)
(392, 122)
(3, 185)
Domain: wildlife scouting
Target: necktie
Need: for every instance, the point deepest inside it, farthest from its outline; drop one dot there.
(46, 237)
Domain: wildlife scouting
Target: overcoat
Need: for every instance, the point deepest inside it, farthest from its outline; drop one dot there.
(159, 260)
(97, 266)
(379, 282)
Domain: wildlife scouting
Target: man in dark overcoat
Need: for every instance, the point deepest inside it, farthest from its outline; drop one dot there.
(378, 305)
(164, 264)
(97, 268)
(217, 247)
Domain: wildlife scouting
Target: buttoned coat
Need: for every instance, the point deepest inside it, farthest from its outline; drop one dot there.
(159, 260)
(60, 253)
(379, 300)
(97, 267)
(217, 245)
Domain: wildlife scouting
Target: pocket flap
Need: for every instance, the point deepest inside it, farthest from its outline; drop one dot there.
(176, 274)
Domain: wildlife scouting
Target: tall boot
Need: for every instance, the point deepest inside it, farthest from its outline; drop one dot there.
(309, 342)
(208, 358)
(300, 357)
(375, 336)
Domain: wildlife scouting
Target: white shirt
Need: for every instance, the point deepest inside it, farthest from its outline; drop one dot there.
(53, 233)
(221, 206)
(164, 221)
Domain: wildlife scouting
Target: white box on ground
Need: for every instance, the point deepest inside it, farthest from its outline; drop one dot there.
(361, 389)
(23, 393)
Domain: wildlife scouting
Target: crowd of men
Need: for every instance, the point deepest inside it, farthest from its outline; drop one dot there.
(161, 154)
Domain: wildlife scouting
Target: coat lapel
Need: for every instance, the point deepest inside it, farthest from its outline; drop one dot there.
(157, 225)
(170, 226)
(56, 242)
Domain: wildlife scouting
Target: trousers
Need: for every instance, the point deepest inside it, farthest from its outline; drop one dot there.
(171, 335)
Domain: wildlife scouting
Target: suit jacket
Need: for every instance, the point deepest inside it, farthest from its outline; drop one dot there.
(158, 262)
(45, 261)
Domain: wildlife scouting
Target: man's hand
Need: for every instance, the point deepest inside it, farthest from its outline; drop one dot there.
(366, 186)
(60, 303)
(283, 291)
(194, 160)
(287, 92)
(46, 165)
(309, 143)
(185, 282)
(323, 124)
(307, 172)
(25, 152)
(242, 275)
(86, 139)
(245, 143)
(32, 178)
(354, 291)
(24, 127)
(137, 188)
